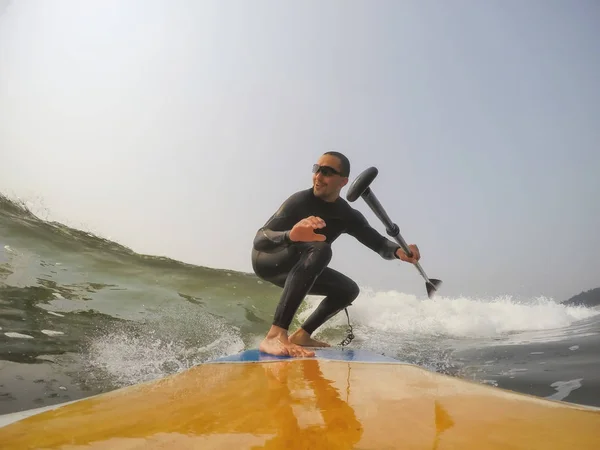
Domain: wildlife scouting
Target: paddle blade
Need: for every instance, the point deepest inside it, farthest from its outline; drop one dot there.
(432, 286)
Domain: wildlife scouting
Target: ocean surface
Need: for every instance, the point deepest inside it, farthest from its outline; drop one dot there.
(80, 315)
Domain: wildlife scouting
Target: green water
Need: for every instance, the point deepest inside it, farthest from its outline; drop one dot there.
(112, 317)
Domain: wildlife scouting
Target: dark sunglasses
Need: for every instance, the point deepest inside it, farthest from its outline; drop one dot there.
(327, 171)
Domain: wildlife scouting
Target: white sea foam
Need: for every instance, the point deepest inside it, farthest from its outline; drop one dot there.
(425, 331)
(52, 332)
(455, 317)
(12, 334)
(564, 388)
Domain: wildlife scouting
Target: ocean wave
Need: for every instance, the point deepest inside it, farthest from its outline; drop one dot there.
(459, 317)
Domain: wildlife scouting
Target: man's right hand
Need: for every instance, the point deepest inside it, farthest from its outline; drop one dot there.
(303, 231)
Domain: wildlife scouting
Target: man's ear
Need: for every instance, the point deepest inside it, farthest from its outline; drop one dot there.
(344, 181)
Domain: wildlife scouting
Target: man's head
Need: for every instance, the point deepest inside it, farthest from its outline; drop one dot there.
(330, 175)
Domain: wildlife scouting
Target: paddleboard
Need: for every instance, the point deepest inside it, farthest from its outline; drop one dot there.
(339, 399)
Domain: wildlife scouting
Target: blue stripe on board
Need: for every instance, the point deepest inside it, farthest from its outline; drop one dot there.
(335, 354)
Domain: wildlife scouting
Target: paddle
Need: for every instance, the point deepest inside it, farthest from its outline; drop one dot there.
(360, 188)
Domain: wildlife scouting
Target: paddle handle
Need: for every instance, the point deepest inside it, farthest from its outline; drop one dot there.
(390, 227)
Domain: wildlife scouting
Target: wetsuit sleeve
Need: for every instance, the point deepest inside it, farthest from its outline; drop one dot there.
(370, 237)
(275, 234)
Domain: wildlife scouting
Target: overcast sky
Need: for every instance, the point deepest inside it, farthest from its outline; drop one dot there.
(178, 127)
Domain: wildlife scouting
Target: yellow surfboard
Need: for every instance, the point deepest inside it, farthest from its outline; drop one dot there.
(341, 399)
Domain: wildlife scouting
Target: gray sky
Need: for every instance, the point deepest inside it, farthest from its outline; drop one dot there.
(178, 128)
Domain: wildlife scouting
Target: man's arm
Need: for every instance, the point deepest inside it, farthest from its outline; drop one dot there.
(370, 237)
(275, 234)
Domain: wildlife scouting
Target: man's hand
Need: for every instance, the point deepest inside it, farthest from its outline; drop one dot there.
(303, 231)
(415, 254)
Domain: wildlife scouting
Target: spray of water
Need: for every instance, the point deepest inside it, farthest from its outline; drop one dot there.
(140, 352)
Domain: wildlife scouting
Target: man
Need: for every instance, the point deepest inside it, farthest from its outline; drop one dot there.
(293, 249)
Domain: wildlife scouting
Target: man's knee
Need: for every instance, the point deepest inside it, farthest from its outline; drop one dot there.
(351, 292)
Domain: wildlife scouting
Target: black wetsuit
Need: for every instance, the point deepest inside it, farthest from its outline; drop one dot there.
(300, 268)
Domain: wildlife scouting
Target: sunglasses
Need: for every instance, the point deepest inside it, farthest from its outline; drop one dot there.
(327, 171)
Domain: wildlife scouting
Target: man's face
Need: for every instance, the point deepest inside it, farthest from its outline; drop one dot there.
(328, 185)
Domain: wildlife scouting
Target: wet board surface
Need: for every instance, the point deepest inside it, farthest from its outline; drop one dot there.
(338, 400)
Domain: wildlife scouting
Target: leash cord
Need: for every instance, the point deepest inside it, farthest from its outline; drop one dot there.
(350, 335)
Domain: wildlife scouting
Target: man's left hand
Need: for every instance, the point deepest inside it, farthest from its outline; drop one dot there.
(415, 254)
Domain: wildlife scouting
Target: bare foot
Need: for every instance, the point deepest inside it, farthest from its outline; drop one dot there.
(277, 343)
(301, 337)
(273, 346)
(297, 350)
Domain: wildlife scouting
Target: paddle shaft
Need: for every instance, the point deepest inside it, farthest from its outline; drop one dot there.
(390, 227)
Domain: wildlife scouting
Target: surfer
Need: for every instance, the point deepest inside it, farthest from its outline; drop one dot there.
(293, 250)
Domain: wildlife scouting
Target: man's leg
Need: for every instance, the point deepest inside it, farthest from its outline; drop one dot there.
(297, 280)
(340, 291)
